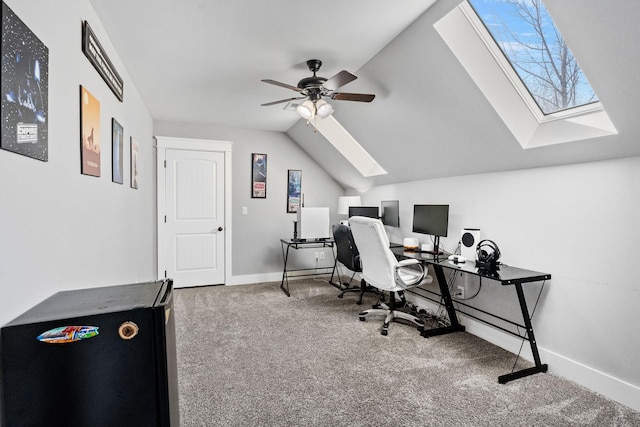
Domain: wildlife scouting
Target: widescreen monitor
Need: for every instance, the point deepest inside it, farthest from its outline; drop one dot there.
(432, 220)
(368, 211)
(391, 213)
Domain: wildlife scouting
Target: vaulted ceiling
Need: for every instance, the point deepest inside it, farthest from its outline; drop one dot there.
(199, 61)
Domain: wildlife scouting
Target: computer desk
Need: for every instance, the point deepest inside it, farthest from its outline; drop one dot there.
(287, 244)
(506, 276)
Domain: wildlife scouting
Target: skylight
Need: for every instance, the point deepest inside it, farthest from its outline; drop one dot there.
(349, 147)
(529, 39)
(531, 121)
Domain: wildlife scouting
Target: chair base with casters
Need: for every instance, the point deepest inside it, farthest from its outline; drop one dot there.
(392, 313)
(363, 288)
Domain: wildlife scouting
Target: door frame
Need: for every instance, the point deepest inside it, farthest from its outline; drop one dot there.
(164, 143)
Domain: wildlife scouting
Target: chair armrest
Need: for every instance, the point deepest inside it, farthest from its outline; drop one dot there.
(409, 277)
(408, 261)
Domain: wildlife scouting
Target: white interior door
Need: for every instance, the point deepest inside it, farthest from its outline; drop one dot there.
(194, 222)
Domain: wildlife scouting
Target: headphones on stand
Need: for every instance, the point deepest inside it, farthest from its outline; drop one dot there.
(487, 255)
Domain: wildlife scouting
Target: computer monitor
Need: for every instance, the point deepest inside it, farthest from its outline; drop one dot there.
(391, 213)
(433, 220)
(368, 211)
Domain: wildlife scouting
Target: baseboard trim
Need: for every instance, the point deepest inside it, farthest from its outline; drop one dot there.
(252, 279)
(600, 382)
(613, 388)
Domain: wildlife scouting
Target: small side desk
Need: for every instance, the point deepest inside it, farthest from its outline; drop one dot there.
(287, 244)
(506, 276)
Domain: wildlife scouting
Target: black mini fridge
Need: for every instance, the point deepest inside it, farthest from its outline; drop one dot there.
(92, 357)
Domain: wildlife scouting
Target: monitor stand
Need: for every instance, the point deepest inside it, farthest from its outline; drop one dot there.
(436, 248)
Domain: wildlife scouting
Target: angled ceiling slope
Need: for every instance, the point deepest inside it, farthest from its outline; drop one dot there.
(431, 120)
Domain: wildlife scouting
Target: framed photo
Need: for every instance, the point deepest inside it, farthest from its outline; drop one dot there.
(294, 190)
(89, 133)
(25, 89)
(259, 176)
(134, 163)
(117, 144)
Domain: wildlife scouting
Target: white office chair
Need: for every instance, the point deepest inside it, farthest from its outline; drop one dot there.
(381, 269)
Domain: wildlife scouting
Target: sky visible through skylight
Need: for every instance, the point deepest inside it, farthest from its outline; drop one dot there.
(527, 36)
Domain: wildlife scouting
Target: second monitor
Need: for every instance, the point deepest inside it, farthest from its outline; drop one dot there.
(391, 213)
(432, 220)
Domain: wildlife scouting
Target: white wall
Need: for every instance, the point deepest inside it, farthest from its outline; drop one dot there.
(577, 222)
(257, 255)
(59, 229)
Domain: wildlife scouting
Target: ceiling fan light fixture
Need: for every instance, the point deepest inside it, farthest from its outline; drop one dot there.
(323, 109)
(306, 109)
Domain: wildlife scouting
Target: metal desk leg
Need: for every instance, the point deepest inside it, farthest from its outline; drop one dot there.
(539, 367)
(285, 279)
(448, 303)
(335, 266)
(333, 272)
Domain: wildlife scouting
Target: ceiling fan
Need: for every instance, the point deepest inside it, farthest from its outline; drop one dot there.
(314, 88)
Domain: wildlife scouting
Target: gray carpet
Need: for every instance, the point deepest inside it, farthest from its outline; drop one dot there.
(250, 356)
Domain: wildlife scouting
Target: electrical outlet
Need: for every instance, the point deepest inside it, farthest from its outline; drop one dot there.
(321, 255)
(460, 293)
(317, 256)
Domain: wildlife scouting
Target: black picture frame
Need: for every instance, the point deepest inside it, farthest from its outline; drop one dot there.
(117, 152)
(94, 52)
(294, 190)
(25, 89)
(258, 176)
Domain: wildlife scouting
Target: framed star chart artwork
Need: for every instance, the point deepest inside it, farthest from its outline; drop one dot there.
(25, 89)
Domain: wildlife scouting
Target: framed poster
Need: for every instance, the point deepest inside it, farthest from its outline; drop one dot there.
(117, 143)
(25, 89)
(259, 176)
(294, 190)
(89, 133)
(134, 163)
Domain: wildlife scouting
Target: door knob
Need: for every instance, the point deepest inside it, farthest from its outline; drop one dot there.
(220, 228)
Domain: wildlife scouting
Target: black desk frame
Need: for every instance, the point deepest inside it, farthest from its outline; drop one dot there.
(287, 244)
(505, 276)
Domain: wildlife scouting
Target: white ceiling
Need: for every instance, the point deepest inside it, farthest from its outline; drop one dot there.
(201, 61)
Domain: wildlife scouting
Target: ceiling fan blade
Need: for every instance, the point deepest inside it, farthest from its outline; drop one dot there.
(344, 96)
(339, 80)
(281, 101)
(284, 85)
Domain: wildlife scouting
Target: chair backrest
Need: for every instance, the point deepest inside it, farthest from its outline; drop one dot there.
(347, 251)
(376, 258)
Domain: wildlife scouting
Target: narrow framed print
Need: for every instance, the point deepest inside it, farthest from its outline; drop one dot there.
(134, 163)
(25, 89)
(294, 190)
(259, 176)
(117, 145)
(89, 133)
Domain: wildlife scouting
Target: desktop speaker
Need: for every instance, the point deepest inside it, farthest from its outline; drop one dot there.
(468, 241)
